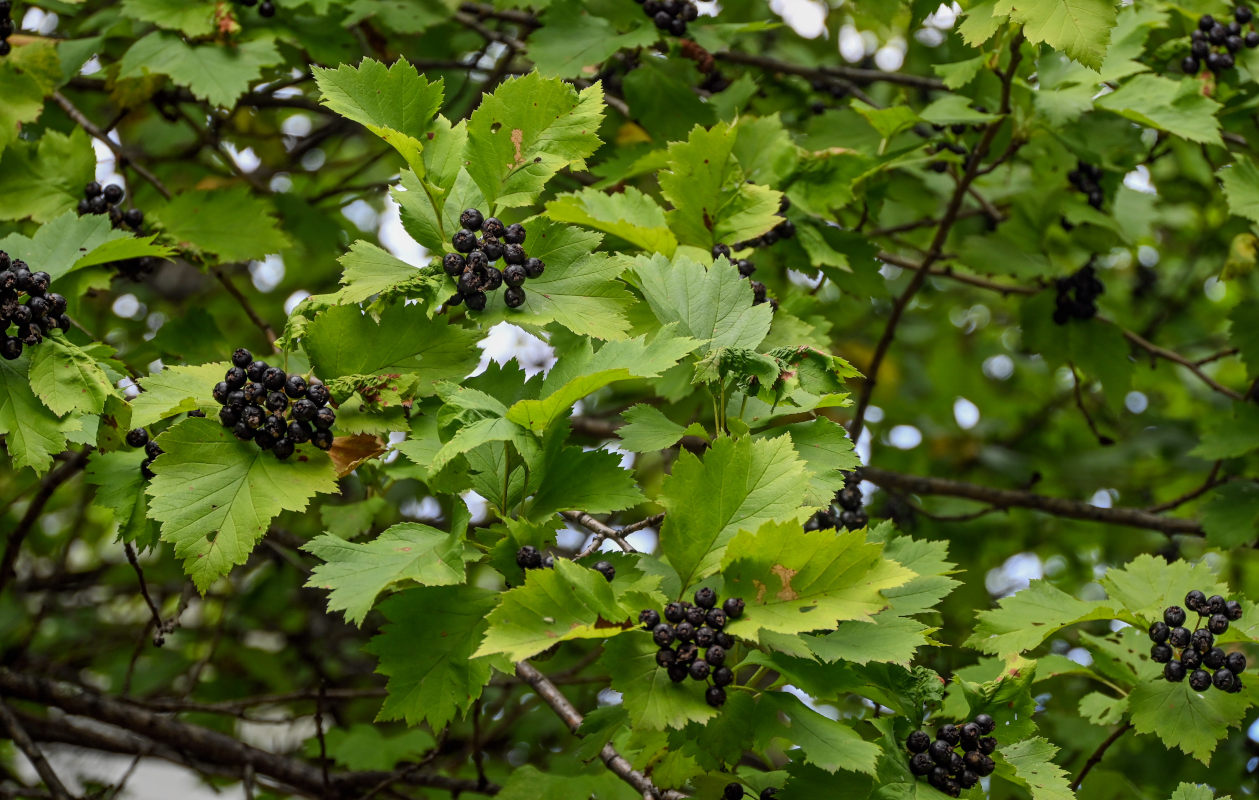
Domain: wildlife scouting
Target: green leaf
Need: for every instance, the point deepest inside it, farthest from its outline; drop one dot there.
(21, 101)
(590, 480)
(1148, 584)
(1030, 616)
(738, 485)
(356, 574)
(426, 650)
(888, 638)
(573, 41)
(213, 72)
(652, 701)
(826, 743)
(371, 270)
(176, 390)
(1195, 791)
(364, 746)
(583, 370)
(826, 449)
(1032, 763)
(710, 304)
(193, 17)
(43, 180)
(1230, 436)
(1241, 187)
(579, 288)
(929, 559)
(526, 131)
(647, 429)
(1177, 107)
(711, 202)
(344, 341)
(396, 103)
(530, 783)
(1079, 28)
(553, 606)
(33, 434)
(234, 223)
(215, 495)
(1231, 518)
(796, 581)
(629, 214)
(1191, 721)
(70, 242)
(120, 488)
(66, 378)
(1244, 334)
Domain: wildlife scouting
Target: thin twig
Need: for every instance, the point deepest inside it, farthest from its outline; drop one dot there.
(47, 487)
(245, 305)
(159, 637)
(1096, 758)
(1174, 357)
(601, 532)
(123, 158)
(1102, 439)
(33, 754)
(853, 74)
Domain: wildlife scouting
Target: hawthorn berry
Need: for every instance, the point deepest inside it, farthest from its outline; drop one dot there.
(493, 226)
(1200, 680)
(471, 219)
(649, 617)
(242, 358)
(304, 409)
(1213, 658)
(675, 612)
(464, 240)
(137, 437)
(733, 607)
(699, 669)
(235, 377)
(1178, 637)
(949, 732)
(256, 370)
(1190, 658)
(514, 275)
(1235, 663)
(918, 742)
(318, 394)
(715, 618)
(514, 234)
(1160, 654)
(605, 569)
(715, 696)
(662, 634)
(1233, 610)
(723, 676)
(514, 297)
(453, 264)
(1217, 624)
(705, 636)
(322, 439)
(1174, 616)
(534, 267)
(940, 751)
(715, 655)
(733, 791)
(1216, 604)
(1202, 640)
(705, 597)
(665, 657)
(1196, 600)
(921, 763)
(1159, 632)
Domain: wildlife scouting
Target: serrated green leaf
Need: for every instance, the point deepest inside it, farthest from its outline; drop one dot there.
(1230, 436)
(630, 215)
(1102, 709)
(738, 485)
(828, 453)
(647, 429)
(1193, 722)
(1148, 584)
(929, 559)
(356, 574)
(1231, 518)
(371, 270)
(1031, 764)
(1241, 187)
(572, 40)
(21, 101)
(710, 304)
(1195, 791)
(396, 103)
(711, 201)
(652, 701)
(1030, 616)
(1079, 28)
(888, 638)
(70, 242)
(43, 180)
(590, 480)
(234, 223)
(216, 495)
(426, 649)
(33, 434)
(526, 131)
(1177, 107)
(67, 378)
(827, 744)
(176, 390)
(530, 783)
(194, 18)
(796, 581)
(214, 72)
(120, 488)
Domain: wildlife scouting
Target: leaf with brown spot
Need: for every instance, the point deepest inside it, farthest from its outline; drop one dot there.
(348, 452)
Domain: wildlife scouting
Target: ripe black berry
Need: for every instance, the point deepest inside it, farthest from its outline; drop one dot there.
(113, 193)
(528, 557)
(606, 569)
(918, 742)
(677, 672)
(986, 723)
(1178, 637)
(941, 752)
(1160, 654)
(970, 735)
(304, 409)
(476, 262)
(475, 301)
(949, 732)
(228, 417)
(298, 431)
(1243, 14)
(715, 696)
(283, 448)
(1159, 632)
(1217, 624)
(733, 791)
(665, 657)
(1235, 663)
(322, 439)
(649, 617)
(733, 607)
(687, 652)
(295, 386)
(277, 401)
(273, 379)
(242, 358)
(705, 636)
(255, 393)
(1191, 658)
(243, 431)
(134, 217)
(534, 267)
(968, 779)
(514, 275)
(1233, 610)
(514, 254)
(464, 240)
(685, 631)
(1202, 640)
(252, 416)
(723, 676)
(721, 251)
(491, 247)
(264, 440)
(662, 634)
(1200, 680)
(514, 234)
(514, 297)
(471, 219)
(1224, 680)
(1196, 600)
(235, 378)
(921, 764)
(716, 618)
(699, 669)
(318, 394)
(695, 615)
(236, 398)
(453, 264)
(256, 370)
(1213, 658)
(137, 437)
(705, 597)
(493, 226)
(715, 655)
(675, 612)
(1216, 604)
(1174, 616)
(987, 745)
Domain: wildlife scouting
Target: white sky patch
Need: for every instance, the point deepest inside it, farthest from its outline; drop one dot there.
(806, 17)
(395, 238)
(965, 413)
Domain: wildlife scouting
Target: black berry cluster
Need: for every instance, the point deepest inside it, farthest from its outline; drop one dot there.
(1199, 659)
(694, 628)
(255, 397)
(783, 230)
(26, 322)
(940, 762)
(735, 791)
(473, 263)
(529, 557)
(1214, 44)
(1086, 177)
(6, 26)
(670, 16)
(139, 437)
(99, 199)
(1077, 295)
(850, 513)
(266, 8)
(760, 294)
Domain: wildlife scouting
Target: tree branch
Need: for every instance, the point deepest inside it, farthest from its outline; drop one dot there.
(852, 74)
(1096, 758)
(245, 305)
(622, 768)
(601, 531)
(1174, 357)
(32, 752)
(47, 487)
(121, 155)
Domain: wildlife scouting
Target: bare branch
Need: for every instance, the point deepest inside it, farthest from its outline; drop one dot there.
(32, 752)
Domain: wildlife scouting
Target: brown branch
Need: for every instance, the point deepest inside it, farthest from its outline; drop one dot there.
(1102, 439)
(601, 531)
(852, 74)
(47, 487)
(159, 627)
(487, 33)
(614, 761)
(1174, 357)
(245, 305)
(22, 739)
(123, 158)
(1096, 758)
(1013, 498)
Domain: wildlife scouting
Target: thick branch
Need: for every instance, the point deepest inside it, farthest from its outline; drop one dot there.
(622, 768)
(32, 752)
(1013, 498)
(601, 531)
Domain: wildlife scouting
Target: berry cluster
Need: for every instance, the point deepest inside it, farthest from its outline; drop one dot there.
(43, 311)
(255, 396)
(850, 515)
(695, 627)
(529, 557)
(139, 437)
(670, 16)
(6, 26)
(473, 265)
(266, 8)
(107, 200)
(735, 791)
(1085, 177)
(941, 764)
(760, 294)
(1198, 652)
(783, 230)
(1213, 44)
(1086, 288)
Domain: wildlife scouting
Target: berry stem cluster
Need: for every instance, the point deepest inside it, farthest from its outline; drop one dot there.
(99, 199)
(694, 628)
(255, 397)
(31, 320)
(1205, 664)
(940, 761)
(139, 437)
(472, 265)
(1087, 178)
(670, 16)
(850, 515)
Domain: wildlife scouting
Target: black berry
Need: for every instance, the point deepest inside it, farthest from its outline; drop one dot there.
(137, 437)
(514, 297)
(464, 240)
(1200, 680)
(1174, 616)
(733, 607)
(471, 219)
(605, 569)
(918, 742)
(1160, 653)
(715, 696)
(705, 597)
